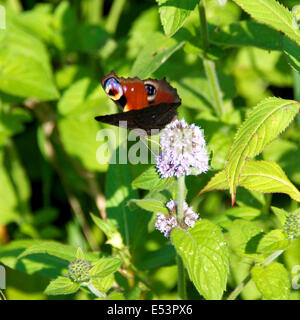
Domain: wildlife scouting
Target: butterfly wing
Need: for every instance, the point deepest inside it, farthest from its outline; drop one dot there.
(154, 117)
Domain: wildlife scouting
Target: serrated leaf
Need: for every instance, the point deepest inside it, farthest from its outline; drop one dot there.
(244, 237)
(173, 13)
(272, 281)
(280, 214)
(273, 240)
(248, 33)
(61, 285)
(103, 284)
(151, 205)
(150, 180)
(64, 253)
(267, 176)
(292, 53)
(204, 253)
(156, 52)
(105, 267)
(264, 123)
(261, 176)
(110, 230)
(272, 13)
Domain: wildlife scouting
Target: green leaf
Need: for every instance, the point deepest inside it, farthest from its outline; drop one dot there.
(264, 123)
(151, 205)
(244, 238)
(261, 176)
(286, 154)
(274, 240)
(280, 214)
(105, 267)
(77, 108)
(113, 235)
(204, 253)
(79, 254)
(272, 281)
(158, 258)
(267, 176)
(292, 53)
(24, 65)
(248, 33)
(14, 187)
(60, 251)
(118, 192)
(103, 284)
(272, 13)
(158, 49)
(150, 180)
(225, 218)
(173, 13)
(116, 296)
(62, 285)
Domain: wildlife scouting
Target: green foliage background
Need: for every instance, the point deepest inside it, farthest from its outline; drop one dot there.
(53, 55)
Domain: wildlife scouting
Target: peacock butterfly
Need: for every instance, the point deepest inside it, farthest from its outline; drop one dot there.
(146, 104)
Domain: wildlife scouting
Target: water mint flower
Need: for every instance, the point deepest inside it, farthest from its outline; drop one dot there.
(79, 270)
(165, 223)
(183, 150)
(292, 225)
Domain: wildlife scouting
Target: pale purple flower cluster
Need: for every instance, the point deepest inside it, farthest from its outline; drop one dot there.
(183, 150)
(166, 223)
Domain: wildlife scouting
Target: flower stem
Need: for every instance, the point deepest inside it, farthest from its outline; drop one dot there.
(181, 282)
(209, 66)
(95, 291)
(180, 198)
(203, 23)
(211, 74)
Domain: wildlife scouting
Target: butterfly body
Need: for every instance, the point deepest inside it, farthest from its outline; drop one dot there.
(146, 104)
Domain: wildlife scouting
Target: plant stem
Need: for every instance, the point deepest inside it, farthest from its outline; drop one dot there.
(239, 288)
(93, 10)
(272, 257)
(203, 23)
(209, 66)
(2, 295)
(181, 283)
(96, 292)
(296, 77)
(180, 198)
(211, 74)
(114, 15)
(241, 285)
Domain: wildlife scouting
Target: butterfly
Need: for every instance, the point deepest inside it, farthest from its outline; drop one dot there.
(146, 104)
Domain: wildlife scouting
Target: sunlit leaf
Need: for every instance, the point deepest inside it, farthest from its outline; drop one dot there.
(264, 123)
(204, 253)
(274, 14)
(173, 13)
(272, 281)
